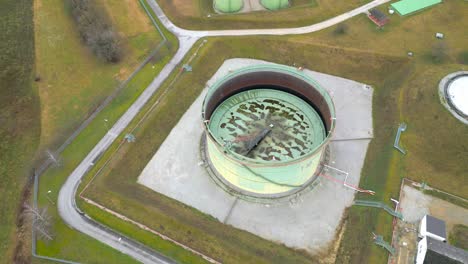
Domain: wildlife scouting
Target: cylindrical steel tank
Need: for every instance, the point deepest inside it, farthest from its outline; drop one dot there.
(228, 6)
(267, 127)
(274, 4)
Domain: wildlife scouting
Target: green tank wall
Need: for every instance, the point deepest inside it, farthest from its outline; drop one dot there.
(275, 4)
(265, 179)
(228, 6)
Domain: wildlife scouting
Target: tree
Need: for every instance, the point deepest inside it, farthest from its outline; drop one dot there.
(341, 29)
(41, 221)
(95, 29)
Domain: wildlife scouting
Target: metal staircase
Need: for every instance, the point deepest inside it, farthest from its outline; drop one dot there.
(379, 205)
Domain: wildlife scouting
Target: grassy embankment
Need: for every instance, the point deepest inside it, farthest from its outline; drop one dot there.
(117, 188)
(199, 14)
(74, 83)
(393, 102)
(436, 141)
(20, 126)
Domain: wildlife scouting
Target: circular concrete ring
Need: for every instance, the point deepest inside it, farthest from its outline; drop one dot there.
(446, 99)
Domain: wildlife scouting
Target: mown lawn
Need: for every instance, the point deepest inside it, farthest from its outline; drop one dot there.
(73, 81)
(117, 188)
(199, 14)
(436, 142)
(376, 57)
(459, 236)
(67, 243)
(19, 121)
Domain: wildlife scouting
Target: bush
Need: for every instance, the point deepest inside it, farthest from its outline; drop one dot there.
(463, 57)
(439, 51)
(341, 29)
(459, 236)
(95, 30)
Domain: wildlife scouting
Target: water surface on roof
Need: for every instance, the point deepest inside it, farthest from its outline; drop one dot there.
(269, 125)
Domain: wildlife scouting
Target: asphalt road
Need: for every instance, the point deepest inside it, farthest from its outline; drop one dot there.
(66, 200)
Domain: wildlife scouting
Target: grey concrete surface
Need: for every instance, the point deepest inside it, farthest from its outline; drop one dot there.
(415, 204)
(310, 220)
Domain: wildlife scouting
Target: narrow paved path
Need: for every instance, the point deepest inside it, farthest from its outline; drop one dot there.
(66, 201)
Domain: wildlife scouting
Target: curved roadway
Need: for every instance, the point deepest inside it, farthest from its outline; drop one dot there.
(66, 200)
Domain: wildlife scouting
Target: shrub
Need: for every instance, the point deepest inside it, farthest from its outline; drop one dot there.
(439, 51)
(341, 29)
(95, 30)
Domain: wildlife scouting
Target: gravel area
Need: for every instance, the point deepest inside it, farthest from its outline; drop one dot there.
(415, 204)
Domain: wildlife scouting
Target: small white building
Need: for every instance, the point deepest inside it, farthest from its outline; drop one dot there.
(432, 248)
(431, 251)
(432, 227)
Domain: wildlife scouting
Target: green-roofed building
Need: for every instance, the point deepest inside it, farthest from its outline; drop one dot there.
(407, 7)
(274, 4)
(228, 6)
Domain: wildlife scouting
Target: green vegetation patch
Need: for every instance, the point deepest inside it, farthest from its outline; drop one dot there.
(19, 123)
(458, 237)
(68, 243)
(96, 30)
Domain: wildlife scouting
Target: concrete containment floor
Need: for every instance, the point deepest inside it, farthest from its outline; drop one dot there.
(309, 221)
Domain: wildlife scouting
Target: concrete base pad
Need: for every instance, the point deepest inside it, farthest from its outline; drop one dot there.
(309, 221)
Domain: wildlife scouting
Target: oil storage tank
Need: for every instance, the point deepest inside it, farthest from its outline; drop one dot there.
(228, 6)
(267, 128)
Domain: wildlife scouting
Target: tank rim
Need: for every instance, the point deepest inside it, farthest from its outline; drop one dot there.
(270, 68)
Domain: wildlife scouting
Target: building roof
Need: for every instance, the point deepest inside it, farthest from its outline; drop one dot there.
(440, 252)
(378, 14)
(435, 226)
(406, 7)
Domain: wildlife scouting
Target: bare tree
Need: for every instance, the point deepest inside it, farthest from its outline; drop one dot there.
(41, 221)
(95, 28)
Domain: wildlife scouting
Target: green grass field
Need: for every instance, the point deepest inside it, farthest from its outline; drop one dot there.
(73, 81)
(199, 14)
(69, 244)
(395, 78)
(19, 118)
(405, 90)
